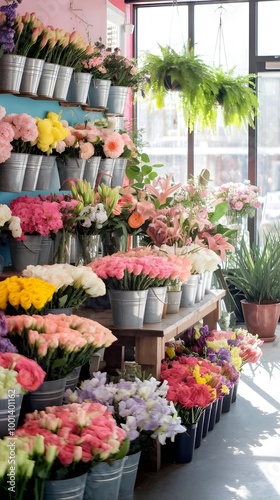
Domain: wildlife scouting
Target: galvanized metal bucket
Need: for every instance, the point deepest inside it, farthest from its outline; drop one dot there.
(11, 70)
(31, 76)
(79, 87)
(48, 80)
(62, 83)
(13, 172)
(32, 172)
(98, 93)
(117, 100)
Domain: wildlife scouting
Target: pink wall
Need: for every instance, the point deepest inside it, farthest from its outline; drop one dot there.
(118, 3)
(57, 13)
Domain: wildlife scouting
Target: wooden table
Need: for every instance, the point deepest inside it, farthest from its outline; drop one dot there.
(148, 342)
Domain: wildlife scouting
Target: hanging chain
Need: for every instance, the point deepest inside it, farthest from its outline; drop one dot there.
(220, 42)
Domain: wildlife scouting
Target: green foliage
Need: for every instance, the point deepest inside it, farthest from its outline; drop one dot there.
(256, 271)
(141, 172)
(236, 94)
(202, 88)
(186, 72)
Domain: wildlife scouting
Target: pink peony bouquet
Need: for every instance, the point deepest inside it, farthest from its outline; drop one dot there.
(128, 271)
(18, 375)
(17, 132)
(59, 343)
(37, 216)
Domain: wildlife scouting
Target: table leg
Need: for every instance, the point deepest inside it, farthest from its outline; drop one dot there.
(213, 317)
(149, 352)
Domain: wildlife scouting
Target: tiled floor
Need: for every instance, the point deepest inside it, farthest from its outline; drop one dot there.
(240, 458)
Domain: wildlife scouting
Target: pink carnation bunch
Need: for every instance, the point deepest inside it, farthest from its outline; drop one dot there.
(17, 132)
(75, 437)
(37, 216)
(51, 338)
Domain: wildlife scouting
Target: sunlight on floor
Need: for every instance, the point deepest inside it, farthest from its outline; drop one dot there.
(241, 493)
(256, 399)
(271, 471)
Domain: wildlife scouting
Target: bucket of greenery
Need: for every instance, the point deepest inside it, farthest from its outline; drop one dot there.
(256, 273)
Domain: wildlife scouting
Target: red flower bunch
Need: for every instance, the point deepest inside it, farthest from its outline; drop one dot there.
(36, 215)
(80, 436)
(19, 373)
(192, 385)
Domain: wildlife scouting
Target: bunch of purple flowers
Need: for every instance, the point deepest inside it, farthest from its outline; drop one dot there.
(5, 344)
(139, 407)
(7, 22)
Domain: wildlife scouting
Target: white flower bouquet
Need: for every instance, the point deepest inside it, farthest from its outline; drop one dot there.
(74, 285)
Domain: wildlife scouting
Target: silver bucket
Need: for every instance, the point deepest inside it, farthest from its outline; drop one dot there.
(117, 100)
(46, 253)
(91, 170)
(103, 481)
(65, 489)
(12, 173)
(31, 76)
(9, 414)
(105, 172)
(98, 93)
(25, 253)
(189, 291)
(11, 69)
(173, 302)
(119, 171)
(48, 80)
(73, 168)
(62, 83)
(50, 393)
(128, 307)
(129, 476)
(45, 173)
(199, 296)
(155, 304)
(32, 172)
(72, 379)
(79, 87)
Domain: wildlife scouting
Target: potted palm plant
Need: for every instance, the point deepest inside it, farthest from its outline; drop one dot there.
(256, 273)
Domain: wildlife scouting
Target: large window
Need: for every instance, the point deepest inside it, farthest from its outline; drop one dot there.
(230, 154)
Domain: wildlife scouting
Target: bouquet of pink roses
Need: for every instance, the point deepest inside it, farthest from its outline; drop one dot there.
(18, 374)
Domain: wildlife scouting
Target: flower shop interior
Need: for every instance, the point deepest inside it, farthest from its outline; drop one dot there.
(139, 249)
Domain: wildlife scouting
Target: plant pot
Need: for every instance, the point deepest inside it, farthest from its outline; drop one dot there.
(9, 414)
(189, 290)
(173, 301)
(45, 172)
(117, 100)
(199, 430)
(91, 170)
(32, 172)
(129, 475)
(50, 393)
(62, 83)
(118, 172)
(79, 87)
(261, 319)
(171, 86)
(105, 172)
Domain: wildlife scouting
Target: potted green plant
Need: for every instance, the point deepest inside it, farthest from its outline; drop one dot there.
(182, 71)
(256, 273)
(237, 97)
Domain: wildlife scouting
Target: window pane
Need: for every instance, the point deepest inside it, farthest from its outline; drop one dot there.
(268, 28)
(223, 152)
(268, 147)
(163, 129)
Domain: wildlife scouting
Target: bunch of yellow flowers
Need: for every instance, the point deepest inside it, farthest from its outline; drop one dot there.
(51, 131)
(19, 295)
